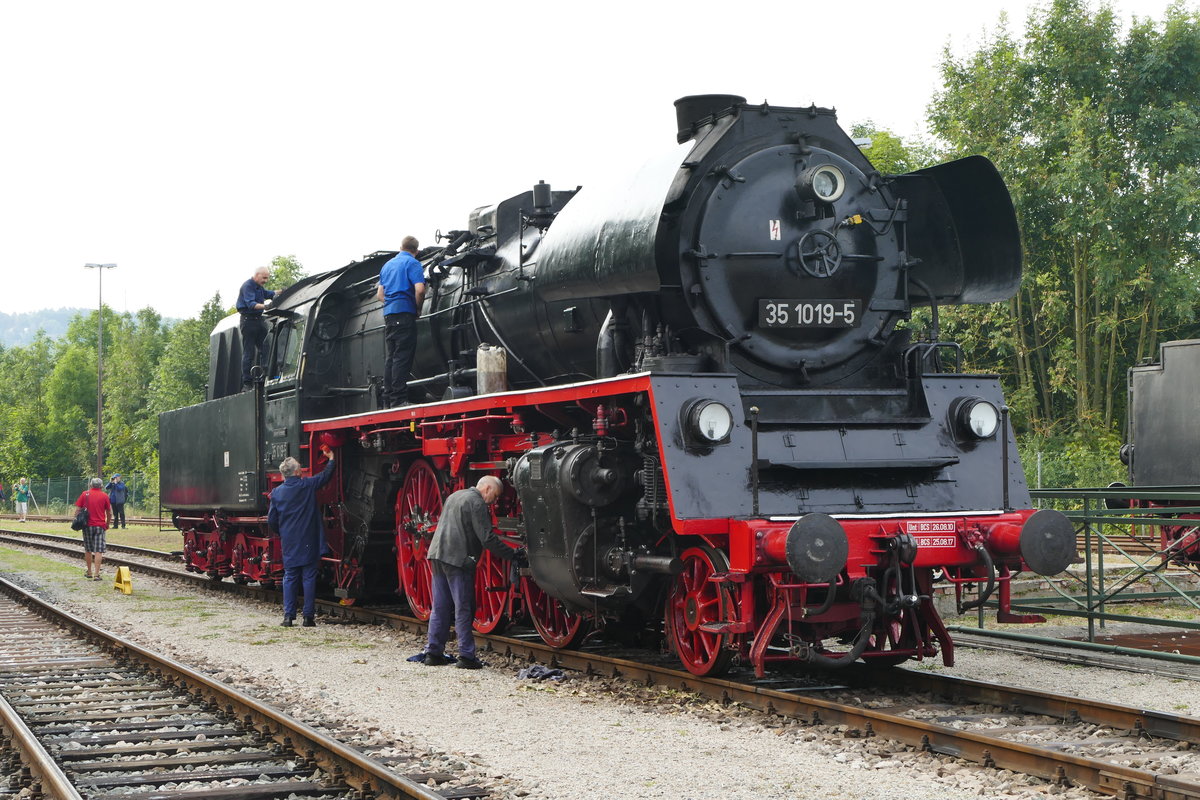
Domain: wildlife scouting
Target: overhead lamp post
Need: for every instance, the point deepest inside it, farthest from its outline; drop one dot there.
(100, 368)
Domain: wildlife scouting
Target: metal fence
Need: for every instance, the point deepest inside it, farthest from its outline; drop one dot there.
(1143, 563)
(1126, 558)
(55, 493)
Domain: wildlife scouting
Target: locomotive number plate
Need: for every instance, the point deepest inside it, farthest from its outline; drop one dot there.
(809, 313)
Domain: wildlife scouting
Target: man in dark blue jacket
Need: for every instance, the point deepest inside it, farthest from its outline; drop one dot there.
(118, 493)
(252, 300)
(295, 516)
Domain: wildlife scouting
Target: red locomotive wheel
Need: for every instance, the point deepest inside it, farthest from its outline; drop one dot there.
(696, 601)
(557, 626)
(418, 506)
(492, 590)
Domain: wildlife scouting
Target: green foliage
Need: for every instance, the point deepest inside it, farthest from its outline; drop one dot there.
(285, 270)
(48, 389)
(1083, 459)
(1098, 136)
(48, 393)
(182, 371)
(890, 154)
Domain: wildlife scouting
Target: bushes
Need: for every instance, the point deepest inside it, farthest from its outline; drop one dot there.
(1078, 460)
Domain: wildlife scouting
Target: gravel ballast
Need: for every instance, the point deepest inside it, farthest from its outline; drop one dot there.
(577, 739)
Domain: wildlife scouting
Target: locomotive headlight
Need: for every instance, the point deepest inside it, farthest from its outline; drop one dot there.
(824, 183)
(709, 421)
(975, 418)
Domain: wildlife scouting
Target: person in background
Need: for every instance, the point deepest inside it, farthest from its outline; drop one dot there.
(3, 494)
(464, 529)
(21, 494)
(294, 515)
(401, 289)
(252, 300)
(117, 494)
(99, 520)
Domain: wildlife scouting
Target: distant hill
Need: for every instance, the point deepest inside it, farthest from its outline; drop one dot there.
(17, 330)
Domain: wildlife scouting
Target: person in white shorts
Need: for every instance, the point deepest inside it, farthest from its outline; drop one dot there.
(21, 494)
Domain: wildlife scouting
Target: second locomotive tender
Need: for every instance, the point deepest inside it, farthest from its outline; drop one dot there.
(711, 423)
(1161, 451)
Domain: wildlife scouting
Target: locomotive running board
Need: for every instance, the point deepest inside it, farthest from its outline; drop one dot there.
(880, 463)
(635, 382)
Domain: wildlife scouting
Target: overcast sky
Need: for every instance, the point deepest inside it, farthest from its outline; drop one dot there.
(190, 142)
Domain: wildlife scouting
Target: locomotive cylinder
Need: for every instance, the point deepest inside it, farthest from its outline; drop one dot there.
(664, 565)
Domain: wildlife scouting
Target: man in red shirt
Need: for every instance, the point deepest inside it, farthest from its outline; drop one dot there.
(99, 520)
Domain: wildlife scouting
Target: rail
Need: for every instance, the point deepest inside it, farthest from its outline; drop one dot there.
(1018, 708)
(344, 765)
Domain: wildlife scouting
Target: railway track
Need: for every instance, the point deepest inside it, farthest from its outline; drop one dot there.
(90, 715)
(1117, 750)
(75, 545)
(66, 519)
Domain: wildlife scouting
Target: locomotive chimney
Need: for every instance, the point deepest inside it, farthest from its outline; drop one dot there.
(543, 206)
(542, 196)
(692, 110)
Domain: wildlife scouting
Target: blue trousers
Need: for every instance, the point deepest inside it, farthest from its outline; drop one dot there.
(306, 574)
(453, 599)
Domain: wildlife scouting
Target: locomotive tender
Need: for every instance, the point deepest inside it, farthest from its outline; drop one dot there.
(1161, 448)
(711, 421)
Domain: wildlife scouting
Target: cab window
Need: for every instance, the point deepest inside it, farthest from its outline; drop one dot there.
(285, 355)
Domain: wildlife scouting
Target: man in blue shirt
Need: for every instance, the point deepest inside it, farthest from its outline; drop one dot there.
(295, 516)
(117, 494)
(402, 291)
(252, 300)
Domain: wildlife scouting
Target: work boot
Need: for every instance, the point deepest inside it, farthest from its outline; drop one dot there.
(437, 660)
(309, 622)
(466, 662)
(287, 622)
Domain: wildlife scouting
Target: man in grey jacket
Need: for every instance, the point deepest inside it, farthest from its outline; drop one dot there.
(464, 529)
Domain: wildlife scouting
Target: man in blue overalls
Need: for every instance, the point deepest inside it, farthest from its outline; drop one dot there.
(294, 515)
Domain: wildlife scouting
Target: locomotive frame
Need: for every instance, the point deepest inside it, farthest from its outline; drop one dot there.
(678, 460)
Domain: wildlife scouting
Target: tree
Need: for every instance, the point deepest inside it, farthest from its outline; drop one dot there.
(182, 372)
(890, 154)
(1097, 136)
(130, 429)
(48, 390)
(285, 270)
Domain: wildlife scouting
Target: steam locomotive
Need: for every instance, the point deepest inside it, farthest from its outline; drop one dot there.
(700, 392)
(1161, 450)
